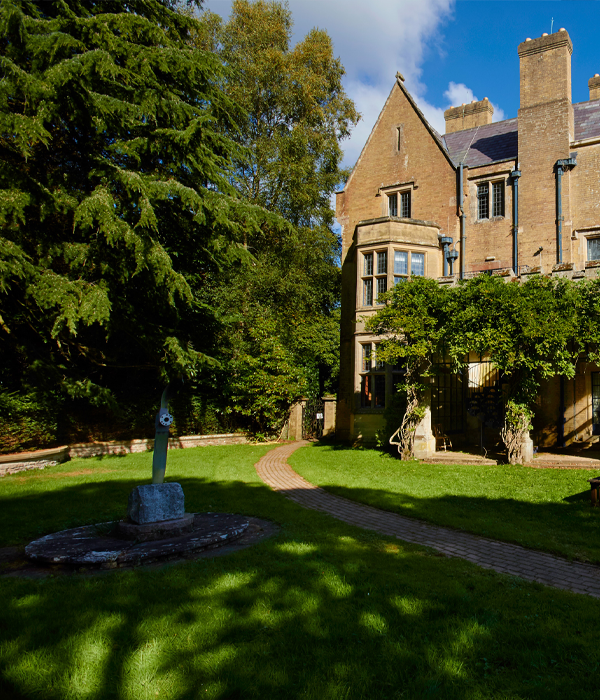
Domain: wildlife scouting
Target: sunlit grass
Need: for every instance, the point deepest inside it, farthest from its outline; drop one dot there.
(322, 610)
(545, 509)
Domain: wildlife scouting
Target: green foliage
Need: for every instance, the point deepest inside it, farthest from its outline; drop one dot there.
(412, 325)
(264, 381)
(295, 114)
(531, 332)
(296, 107)
(115, 198)
(26, 422)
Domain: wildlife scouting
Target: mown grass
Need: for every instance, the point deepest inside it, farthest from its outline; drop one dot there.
(322, 610)
(545, 509)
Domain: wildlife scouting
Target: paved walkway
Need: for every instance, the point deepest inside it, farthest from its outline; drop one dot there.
(505, 558)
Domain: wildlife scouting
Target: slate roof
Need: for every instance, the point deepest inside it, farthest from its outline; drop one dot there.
(485, 144)
(500, 141)
(587, 119)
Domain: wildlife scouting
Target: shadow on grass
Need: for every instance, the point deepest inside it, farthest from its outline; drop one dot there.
(321, 611)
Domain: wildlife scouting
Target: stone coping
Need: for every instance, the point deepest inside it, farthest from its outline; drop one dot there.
(119, 447)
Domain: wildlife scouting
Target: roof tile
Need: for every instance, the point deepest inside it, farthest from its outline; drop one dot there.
(491, 143)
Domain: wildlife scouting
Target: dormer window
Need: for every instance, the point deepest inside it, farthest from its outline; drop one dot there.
(399, 202)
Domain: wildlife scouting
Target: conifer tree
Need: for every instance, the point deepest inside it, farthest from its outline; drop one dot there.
(116, 201)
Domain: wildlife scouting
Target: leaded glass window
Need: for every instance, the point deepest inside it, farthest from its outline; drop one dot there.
(498, 199)
(393, 204)
(405, 205)
(417, 264)
(400, 262)
(593, 250)
(483, 201)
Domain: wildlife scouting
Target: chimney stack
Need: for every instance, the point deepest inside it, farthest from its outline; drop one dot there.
(546, 128)
(468, 116)
(594, 86)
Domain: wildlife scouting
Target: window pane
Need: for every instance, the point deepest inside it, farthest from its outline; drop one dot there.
(400, 262)
(405, 205)
(366, 358)
(365, 391)
(498, 199)
(399, 279)
(593, 248)
(381, 286)
(368, 267)
(368, 292)
(378, 363)
(380, 391)
(417, 264)
(382, 263)
(393, 204)
(483, 201)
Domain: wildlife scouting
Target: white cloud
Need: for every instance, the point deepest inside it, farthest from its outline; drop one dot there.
(374, 40)
(458, 94)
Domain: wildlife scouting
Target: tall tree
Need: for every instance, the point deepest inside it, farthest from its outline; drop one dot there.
(295, 115)
(116, 196)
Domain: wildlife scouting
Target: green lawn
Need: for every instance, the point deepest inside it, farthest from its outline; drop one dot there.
(546, 509)
(322, 610)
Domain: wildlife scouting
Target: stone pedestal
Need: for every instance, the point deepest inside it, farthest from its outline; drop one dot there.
(527, 449)
(153, 503)
(424, 438)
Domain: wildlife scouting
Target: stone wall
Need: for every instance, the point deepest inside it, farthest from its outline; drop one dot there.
(10, 464)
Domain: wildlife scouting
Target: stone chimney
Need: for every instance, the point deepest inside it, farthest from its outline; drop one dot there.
(468, 116)
(546, 128)
(594, 86)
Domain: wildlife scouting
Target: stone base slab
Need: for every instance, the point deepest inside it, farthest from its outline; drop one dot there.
(155, 531)
(100, 546)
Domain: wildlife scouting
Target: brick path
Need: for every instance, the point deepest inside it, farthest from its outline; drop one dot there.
(503, 557)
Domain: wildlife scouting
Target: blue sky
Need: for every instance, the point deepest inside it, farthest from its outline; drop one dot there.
(449, 51)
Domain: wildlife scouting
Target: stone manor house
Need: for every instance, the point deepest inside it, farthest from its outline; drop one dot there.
(519, 197)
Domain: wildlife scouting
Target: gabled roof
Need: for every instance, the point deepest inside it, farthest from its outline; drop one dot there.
(587, 120)
(434, 134)
(496, 142)
(485, 144)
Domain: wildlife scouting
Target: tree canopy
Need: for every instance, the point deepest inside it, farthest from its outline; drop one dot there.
(116, 200)
(165, 192)
(294, 115)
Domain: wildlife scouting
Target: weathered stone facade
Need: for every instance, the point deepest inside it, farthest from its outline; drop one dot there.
(530, 205)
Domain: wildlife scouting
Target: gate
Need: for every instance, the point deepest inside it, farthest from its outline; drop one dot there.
(313, 415)
(595, 403)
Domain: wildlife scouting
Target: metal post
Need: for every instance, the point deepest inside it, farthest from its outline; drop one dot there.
(516, 174)
(463, 236)
(559, 219)
(161, 437)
